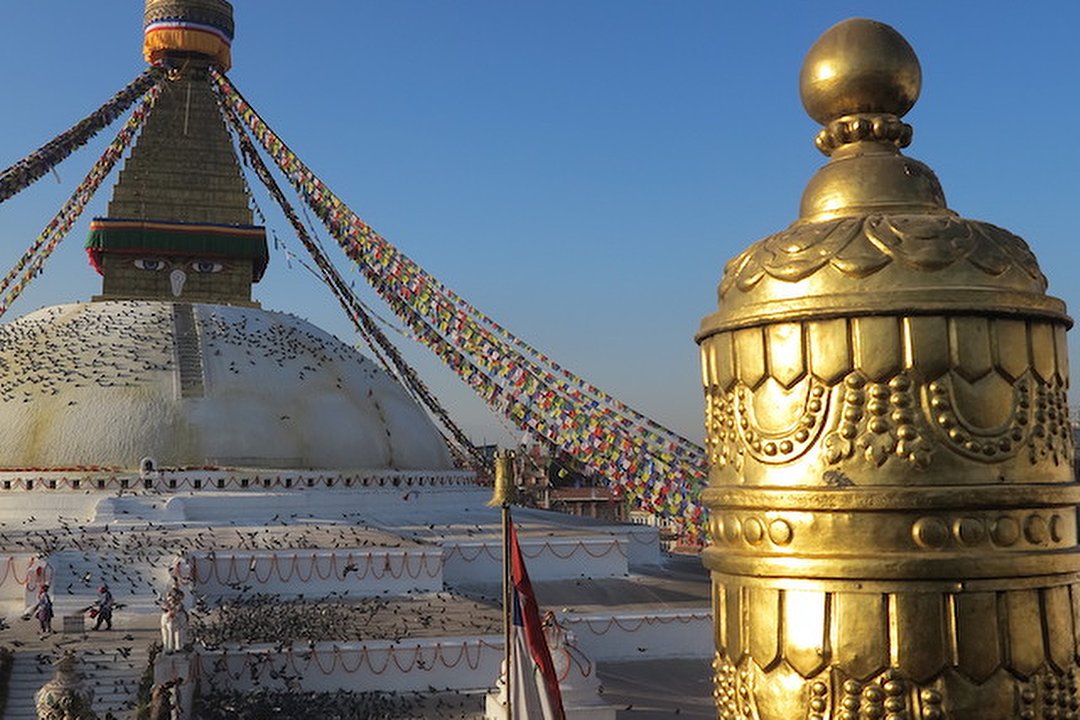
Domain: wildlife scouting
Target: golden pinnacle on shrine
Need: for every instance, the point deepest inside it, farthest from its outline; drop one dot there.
(893, 507)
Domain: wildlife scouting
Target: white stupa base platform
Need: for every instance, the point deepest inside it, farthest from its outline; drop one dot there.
(219, 495)
(494, 709)
(630, 635)
(293, 573)
(412, 665)
(434, 531)
(553, 557)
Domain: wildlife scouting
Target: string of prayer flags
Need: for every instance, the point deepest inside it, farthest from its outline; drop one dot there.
(33, 260)
(643, 461)
(38, 163)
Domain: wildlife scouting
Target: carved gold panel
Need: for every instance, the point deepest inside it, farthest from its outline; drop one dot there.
(982, 410)
(864, 653)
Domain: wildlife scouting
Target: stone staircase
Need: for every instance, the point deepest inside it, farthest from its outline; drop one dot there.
(188, 351)
(112, 662)
(112, 670)
(26, 677)
(114, 674)
(76, 578)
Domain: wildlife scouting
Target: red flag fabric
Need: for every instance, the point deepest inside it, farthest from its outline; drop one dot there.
(529, 637)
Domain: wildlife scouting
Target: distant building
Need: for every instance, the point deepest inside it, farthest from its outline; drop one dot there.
(550, 481)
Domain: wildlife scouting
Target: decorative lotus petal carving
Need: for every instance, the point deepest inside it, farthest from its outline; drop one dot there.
(859, 247)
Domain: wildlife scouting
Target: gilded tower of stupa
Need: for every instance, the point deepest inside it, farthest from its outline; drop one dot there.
(180, 221)
(893, 507)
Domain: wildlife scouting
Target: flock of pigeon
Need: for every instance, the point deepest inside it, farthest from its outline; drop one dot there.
(128, 557)
(279, 343)
(54, 349)
(58, 347)
(341, 705)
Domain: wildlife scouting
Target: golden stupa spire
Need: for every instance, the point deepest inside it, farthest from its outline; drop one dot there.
(893, 507)
(180, 221)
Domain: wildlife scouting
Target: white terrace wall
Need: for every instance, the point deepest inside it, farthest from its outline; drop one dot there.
(642, 635)
(416, 664)
(21, 574)
(547, 558)
(316, 573)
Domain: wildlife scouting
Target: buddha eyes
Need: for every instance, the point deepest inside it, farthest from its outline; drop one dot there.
(206, 266)
(150, 264)
(199, 266)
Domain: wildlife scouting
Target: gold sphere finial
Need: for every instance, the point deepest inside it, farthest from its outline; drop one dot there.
(859, 66)
(858, 80)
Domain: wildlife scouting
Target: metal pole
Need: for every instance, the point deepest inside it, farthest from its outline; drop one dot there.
(503, 496)
(508, 619)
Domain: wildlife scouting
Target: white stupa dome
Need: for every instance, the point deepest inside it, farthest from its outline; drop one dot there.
(106, 384)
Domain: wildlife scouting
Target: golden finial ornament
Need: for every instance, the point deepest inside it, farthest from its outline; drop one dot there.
(860, 67)
(176, 31)
(504, 491)
(893, 512)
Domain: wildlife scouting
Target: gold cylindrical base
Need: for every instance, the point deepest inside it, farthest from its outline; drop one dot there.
(852, 650)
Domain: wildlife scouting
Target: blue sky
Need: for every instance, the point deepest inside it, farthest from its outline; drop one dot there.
(580, 170)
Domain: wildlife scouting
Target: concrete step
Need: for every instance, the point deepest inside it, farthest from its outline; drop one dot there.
(218, 176)
(27, 676)
(188, 351)
(222, 213)
(76, 578)
(112, 674)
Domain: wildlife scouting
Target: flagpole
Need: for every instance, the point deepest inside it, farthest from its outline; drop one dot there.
(508, 621)
(502, 496)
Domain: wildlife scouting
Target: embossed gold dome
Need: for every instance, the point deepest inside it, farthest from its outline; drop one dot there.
(893, 511)
(859, 66)
(873, 218)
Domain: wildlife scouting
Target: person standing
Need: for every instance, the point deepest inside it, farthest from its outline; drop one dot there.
(43, 611)
(104, 608)
(174, 622)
